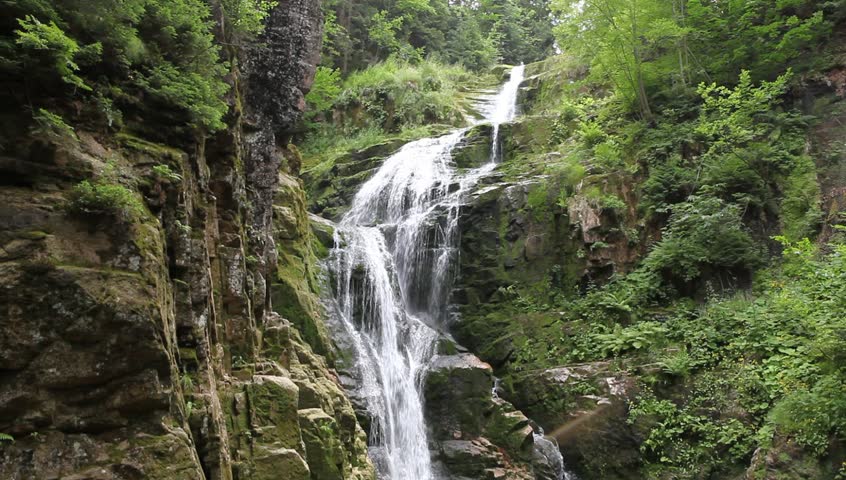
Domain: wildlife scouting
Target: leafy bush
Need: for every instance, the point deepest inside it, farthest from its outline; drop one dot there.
(324, 90)
(123, 50)
(247, 16)
(704, 232)
(639, 336)
(591, 134)
(35, 37)
(685, 442)
(164, 172)
(103, 198)
(51, 125)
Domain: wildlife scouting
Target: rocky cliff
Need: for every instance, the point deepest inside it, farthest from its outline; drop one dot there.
(172, 331)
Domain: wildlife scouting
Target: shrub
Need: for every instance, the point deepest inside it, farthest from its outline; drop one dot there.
(103, 198)
(164, 172)
(247, 16)
(52, 126)
(324, 90)
(639, 336)
(591, 134)
(704, 232)
(396, 94)
(162, 48)
(40, 40)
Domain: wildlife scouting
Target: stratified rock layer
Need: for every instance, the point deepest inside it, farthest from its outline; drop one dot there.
(183, 341)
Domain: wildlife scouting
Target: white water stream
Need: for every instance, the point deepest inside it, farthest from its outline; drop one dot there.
(392, 273)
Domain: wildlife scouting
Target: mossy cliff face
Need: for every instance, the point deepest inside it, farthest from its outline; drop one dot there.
(545, 243)
(142, 339)
(537, 226)
(521, 241)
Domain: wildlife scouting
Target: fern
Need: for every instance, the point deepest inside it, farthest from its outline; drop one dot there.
(5, 437)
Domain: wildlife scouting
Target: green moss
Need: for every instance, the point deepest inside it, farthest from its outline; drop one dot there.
(32, 235)
(273, 404)
(155, 150)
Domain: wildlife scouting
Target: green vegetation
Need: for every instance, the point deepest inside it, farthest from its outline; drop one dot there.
(474, 34)
(679, 125)
(391, 100)
(247, 16)
(52, 126)
(102, 197)
(164, 172)
(149, 57)
(394, 95)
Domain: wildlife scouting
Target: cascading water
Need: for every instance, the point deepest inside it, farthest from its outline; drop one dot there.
(551, 456)
(504, 107)
(391, 278)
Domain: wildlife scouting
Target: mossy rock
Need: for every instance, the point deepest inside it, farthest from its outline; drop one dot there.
(474, 149)
(324, 451)
(509, 429)
(271, 463)
(458, 394)
(273, 403)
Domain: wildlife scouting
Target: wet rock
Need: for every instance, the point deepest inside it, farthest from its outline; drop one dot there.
(474, 149)
(478, 435)
(584, 408)
(458, 389)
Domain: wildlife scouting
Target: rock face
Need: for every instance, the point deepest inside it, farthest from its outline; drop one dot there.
(183, 341)
(475, 433)
(331, 190)
(525, 234)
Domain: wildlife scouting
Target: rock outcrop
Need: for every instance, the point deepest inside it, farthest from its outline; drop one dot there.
(181, 337)
(477, 434)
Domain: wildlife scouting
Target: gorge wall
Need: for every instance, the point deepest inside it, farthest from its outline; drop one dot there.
(181, 339)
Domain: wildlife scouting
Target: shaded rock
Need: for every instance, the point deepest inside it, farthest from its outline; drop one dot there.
(786, 460)
(584, 408)
(457, 391)
(477, 434)
(474, 149)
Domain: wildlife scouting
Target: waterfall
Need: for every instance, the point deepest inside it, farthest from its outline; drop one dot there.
(391, 275)
(549, 455)
(504, 108)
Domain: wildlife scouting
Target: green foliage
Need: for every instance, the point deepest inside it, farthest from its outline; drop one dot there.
(247, 16)
(704, 232)
(731, 116)
(5, 437)
(383, 31)
(324, 90)
(395, 95)
(164, 172)
(105, 198)
(187, 383)
(35, 37)
(52, 126)
(639, 336)
(684, 441)
(161, 50)
(194, 92)
(477, 35)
